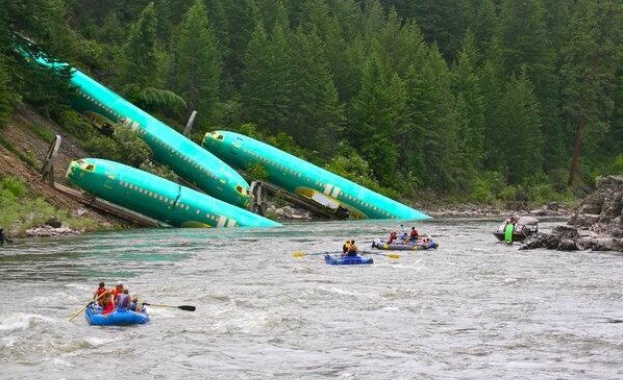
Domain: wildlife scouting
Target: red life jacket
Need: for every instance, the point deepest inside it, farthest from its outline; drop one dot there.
(108, 308)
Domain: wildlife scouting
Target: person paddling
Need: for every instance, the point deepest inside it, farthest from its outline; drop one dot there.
(108, 304)
(99, 293)
(117, 291)
(345, 247)
(413, 235)
(352, 249)
(392, 237)
(123, 300)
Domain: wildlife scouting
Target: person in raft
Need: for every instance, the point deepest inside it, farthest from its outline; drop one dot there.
(136, 306)
(117, 291)
(413, 235)
(345, 247)
(108, 305)
(98, 294)
(352, 249)
(123, 300)
(392, 237)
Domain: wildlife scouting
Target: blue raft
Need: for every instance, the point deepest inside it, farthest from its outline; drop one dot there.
(347, 260)
(94, 316)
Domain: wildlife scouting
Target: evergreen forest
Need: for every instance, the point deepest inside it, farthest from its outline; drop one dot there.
(476, 100)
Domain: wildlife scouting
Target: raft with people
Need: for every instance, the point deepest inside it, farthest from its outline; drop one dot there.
(411, 241)
(118, 317)
(347, 259)
(399, 246)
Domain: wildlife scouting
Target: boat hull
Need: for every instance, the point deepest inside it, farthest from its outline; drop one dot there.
(521, 230)
(517, 237)
(94, 317)
(347, 260)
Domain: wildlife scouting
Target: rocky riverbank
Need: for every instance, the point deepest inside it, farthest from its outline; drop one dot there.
(442, 210)
(596, 225)
(290, 213)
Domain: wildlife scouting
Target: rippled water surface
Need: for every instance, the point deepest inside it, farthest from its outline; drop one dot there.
(473, 309)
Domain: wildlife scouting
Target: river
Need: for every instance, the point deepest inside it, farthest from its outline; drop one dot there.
(473, 309)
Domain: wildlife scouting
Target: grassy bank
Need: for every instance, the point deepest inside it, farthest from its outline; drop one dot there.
(22, 210)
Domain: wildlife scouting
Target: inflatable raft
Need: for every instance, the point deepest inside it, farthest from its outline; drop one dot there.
(347, 260)
(378, 244)
(95, 317)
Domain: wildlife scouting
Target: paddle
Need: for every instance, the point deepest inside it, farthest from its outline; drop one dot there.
(84, 308)
(183, 307)
(390, 255)
(300, 254)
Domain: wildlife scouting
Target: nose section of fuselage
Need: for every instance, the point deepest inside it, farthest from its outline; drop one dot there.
(78, 168)
(213, 140)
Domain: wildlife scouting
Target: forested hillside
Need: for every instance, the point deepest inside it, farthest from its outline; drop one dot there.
(466, 99)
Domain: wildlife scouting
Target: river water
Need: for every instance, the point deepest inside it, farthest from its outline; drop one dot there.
(473, 309)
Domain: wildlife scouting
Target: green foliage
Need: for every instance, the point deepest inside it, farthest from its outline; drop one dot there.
(257, 171)
(486, 187)
(43, 132)
(125, 146)
(523, 143)
(196, 65)
(161, 171)
(150, 98)
(102, 147)
(431, 94)
(75, 124)
(616, 167)
(143, 62)
(349, 164)
(29, 158)
(22, 210)
(8, 98)
(544, 193)
(12, 187)
(131, 146)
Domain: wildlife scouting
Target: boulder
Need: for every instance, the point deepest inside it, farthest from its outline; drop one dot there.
(596, 225)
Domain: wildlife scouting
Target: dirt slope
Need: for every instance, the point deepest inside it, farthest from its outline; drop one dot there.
(21, 135)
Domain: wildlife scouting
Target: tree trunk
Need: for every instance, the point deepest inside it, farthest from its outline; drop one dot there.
(576, 151)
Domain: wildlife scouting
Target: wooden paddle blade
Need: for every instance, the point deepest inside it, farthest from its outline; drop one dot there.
(393, 255)
(298, 254)
(187, 307)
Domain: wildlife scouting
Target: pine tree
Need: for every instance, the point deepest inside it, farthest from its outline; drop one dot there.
(143, 62)
(435, 121)
(522, 143)
(378, 111)
(197, 65)
(525, 42)
(316, 119)
(267, 88)
(243, 17)
(592, 62)
(466, 86)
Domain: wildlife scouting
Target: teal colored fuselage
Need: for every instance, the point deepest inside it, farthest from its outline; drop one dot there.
(158, 198)
(301, 177)
(186, 158)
